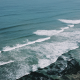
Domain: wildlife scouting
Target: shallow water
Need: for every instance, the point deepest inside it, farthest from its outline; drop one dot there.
(35, 33)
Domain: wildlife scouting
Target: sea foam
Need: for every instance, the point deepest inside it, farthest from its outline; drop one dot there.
(72, 36)
(51, 51)
(43, 63)
(70, 21)
(49, 32)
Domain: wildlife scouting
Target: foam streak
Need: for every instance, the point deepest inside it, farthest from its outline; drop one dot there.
(7, 48)
(3, 63)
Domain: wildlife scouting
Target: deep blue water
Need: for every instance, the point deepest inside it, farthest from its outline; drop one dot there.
(34, 33)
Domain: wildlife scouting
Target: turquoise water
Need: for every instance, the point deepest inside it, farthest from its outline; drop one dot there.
(35, 33)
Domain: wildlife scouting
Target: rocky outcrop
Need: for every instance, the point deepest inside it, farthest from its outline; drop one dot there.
(64, 65)
(71, 77)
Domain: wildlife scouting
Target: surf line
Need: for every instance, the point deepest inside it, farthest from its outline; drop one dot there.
(22, 45)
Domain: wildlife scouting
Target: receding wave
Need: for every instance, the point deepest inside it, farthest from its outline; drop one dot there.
(8, 48)
(70, 21)
(49, 32)
(3, 63)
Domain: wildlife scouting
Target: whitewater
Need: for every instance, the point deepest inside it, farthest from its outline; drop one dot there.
(33, 34)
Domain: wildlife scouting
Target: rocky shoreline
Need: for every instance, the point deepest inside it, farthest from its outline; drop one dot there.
(65, 68)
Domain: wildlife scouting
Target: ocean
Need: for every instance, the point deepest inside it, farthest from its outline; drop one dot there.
(35, 33)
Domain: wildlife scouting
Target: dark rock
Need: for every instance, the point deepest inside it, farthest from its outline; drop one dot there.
(65, 78)
(52, 72)
(60, 58)
(72, 67)
(40, 68)
(71, 77)
(52, 65)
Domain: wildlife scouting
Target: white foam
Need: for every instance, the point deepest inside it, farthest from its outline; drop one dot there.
(43, 63)
(23, 70)
(70, 21)
(71, 25)
(51, 50)
(7, 48)
(34, 67)
(49, 32)
(0, 51)
(3, 63)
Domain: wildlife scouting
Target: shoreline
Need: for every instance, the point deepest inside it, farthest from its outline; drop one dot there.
(65, 68)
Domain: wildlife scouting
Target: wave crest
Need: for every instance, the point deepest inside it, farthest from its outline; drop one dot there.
(70, 21)
(8, 48)
(49, 32)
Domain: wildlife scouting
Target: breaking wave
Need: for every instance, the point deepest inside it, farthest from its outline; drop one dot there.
(70, 21)
(49, 32)
(8, 48)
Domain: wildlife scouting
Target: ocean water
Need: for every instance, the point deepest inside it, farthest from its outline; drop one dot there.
(35, 33)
